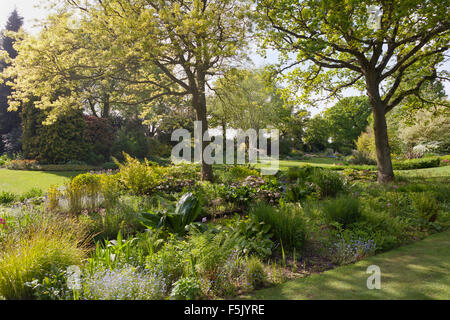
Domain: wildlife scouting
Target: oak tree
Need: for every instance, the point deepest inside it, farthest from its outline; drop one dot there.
(390, 48)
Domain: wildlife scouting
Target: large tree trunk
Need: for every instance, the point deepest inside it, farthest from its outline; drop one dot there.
(385, 171)
(199, 104)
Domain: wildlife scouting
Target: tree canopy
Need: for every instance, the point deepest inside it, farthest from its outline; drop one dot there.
(335, 48)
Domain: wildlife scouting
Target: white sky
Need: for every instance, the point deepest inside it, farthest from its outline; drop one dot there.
(26, 9)
(29, 10)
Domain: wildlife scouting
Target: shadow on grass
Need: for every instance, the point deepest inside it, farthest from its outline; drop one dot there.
(417, 271)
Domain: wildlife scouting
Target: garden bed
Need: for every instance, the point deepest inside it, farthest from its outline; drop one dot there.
(152, 232)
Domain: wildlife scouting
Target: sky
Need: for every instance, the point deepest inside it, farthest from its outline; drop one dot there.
(26, 9)
(29, 10)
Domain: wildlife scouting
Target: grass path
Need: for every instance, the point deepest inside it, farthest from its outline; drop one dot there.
(19, 181)
(417, 271)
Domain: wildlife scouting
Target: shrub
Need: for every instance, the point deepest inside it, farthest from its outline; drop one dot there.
(300, 173)
(366, 175)
(360, 158)
(313, 180)
(255, 273)
(110, 188)
(186, 288)
(241, 172)
(99, 135)
(417, 163)
(7, 197)
(286, 224)
(250, 237)
(140, 178)
(53, 196)
(33, 193)
(344, 210)
(110, 166)
(56, 143)
(12, 141)
(4, 160)
(426, 206)
(122, 217)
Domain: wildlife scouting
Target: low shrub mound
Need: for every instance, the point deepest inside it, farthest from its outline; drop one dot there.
(421, 163)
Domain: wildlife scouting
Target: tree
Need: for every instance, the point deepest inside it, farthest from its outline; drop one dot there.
(430, 132)
(68, 65)
(188, 41)
(243, 100)
(336, 48)
(9, 120)
(317, 133)
(346, 120)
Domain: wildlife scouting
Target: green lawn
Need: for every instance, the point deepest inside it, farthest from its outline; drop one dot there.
(417, 271)
(331, 162)
(318, 162)
(425, 173)
(19, 181)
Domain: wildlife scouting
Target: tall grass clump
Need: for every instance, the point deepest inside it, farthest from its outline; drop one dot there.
(286, 224)
(344, 210)
(55, 242)
(329, 182)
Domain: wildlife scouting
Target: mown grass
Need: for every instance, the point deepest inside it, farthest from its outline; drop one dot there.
(416, 271)
(425, 173)
(19, 181)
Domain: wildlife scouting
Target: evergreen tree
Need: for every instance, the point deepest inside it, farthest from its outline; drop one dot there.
(9, 120)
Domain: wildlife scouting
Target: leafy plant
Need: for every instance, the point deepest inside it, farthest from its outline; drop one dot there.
(186, 211)
(116, 253)
(186, 288)
(52, 287)
(168, 262)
